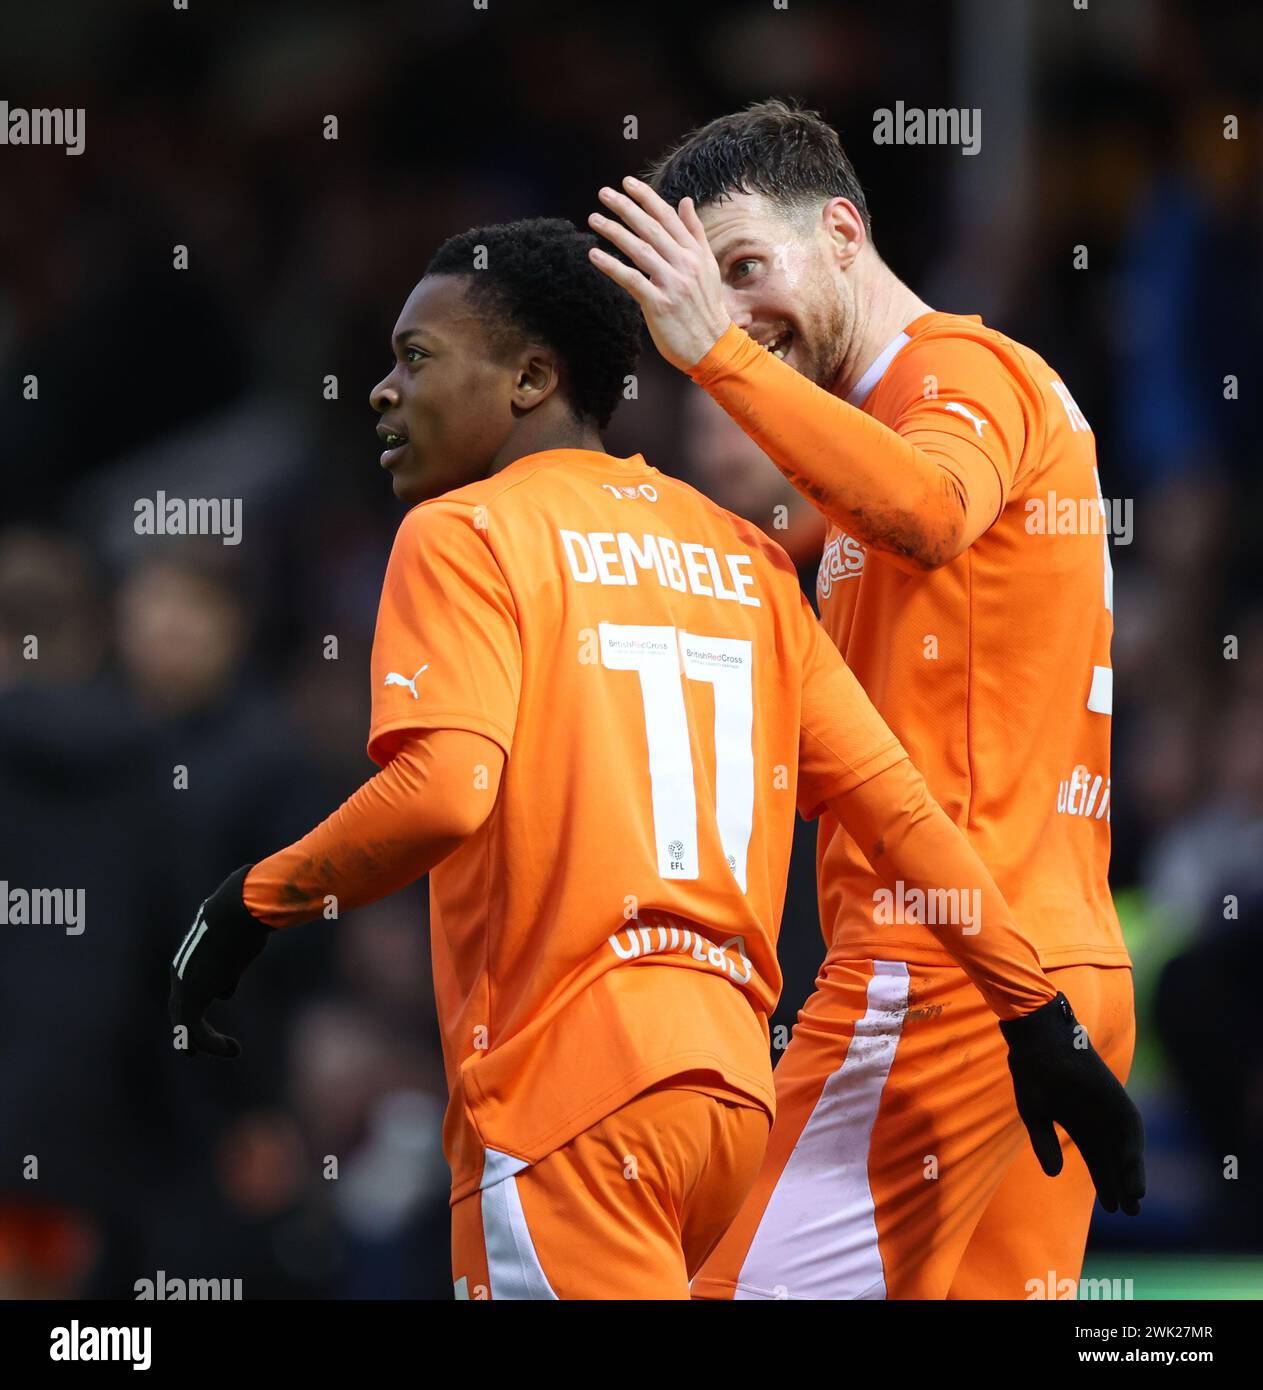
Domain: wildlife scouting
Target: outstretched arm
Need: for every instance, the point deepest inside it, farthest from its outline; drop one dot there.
(436, 791)
(909, 841)
(1058, 1077)
(420, 807)
(851, 762)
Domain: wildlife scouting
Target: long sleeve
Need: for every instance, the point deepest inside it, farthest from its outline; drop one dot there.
(931, 871)
(921, 492)
(851, 762)
(435, 791)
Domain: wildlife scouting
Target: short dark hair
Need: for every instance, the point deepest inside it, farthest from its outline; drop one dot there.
(538, 285)
(773, 147)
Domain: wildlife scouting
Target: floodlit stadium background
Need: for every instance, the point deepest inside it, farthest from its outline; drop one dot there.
(1103, 129)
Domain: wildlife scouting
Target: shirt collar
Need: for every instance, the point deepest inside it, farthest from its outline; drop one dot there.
(863, 388)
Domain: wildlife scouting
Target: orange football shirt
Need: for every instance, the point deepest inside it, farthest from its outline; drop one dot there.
(993, 670)
(665, 699)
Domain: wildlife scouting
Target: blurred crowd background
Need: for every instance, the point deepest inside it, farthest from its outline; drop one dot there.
(1101, 128)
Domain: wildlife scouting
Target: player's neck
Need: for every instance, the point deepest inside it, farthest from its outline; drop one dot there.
(538, 436)
(885, 307)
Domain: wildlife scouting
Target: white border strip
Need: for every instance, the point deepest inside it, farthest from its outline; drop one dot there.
(818, 1234)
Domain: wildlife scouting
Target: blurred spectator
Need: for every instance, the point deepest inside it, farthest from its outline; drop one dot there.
(82, 1060)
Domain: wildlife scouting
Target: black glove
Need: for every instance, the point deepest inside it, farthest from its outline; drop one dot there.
(222, 941)
(1058, 1075)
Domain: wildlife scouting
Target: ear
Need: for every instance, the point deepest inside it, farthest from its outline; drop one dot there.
(537, 377)
(844, 227)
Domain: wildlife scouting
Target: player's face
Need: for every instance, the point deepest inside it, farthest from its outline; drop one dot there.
(782, 283)
(445, 407)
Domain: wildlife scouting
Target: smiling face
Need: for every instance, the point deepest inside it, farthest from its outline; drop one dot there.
(447, 406)
(785, 276)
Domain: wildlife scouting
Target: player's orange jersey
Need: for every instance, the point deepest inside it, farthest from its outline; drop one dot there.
(665, 698)
(993, 670)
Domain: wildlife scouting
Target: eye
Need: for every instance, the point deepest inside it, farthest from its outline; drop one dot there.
(743, 269)
(410, 359)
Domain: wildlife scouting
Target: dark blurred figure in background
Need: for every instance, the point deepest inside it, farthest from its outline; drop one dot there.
(131, 786)
(81, 809)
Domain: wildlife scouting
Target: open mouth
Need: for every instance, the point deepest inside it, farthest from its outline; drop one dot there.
(777, 343)
(395, 445)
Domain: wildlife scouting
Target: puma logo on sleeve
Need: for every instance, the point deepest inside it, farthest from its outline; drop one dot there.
(394, 678)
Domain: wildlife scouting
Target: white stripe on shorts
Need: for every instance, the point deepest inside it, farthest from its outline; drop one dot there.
(513, 1267)
(818, 1235)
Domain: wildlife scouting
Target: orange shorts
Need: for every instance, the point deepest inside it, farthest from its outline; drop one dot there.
(898, 1166)
(628, 1209)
